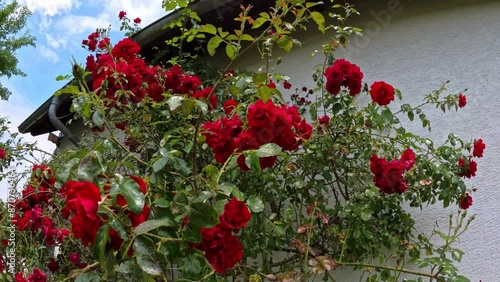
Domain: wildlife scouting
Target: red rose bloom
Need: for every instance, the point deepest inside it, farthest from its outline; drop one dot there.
(462, 100)
(19, 277)
(137, 20)
(388, 176)
(2, 154)
(479, 147)
(229, 106)
(287, 84)
(74, 258)
(82, 198)
(343, 73)
(236, 214)
(53, 265)
(122, 14)
(85, 228)
(382, 93)
(324, 120)
(37, 276)
(271, 84)
(465, 201)
(468, 171)
(226, 255)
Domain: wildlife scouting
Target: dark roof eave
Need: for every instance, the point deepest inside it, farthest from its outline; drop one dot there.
(143, 37)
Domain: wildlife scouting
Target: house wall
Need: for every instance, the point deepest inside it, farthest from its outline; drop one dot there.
(416, 46)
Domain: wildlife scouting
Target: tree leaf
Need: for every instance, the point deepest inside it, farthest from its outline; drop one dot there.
(231, 51)
(258, 22)
(146, 255)
(133, 195)
(202, 215)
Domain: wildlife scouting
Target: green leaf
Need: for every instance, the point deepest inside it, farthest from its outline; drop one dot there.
(213, 43)
(411, 116)
(285, 43)
(264, 93)
(202, 215)
(146, 255)
(398, 94)
(246, 37)
(255, 204)
(268, 150)
(175, 101)
(152, 224)
(101, 240)
(133, 195)
(98, 118)
(231, 51)
(64, 174)
(159, 164)
(319, 19)
(118, 227)
(88, 277)
(259, 78)
(258, 22)
(388, 116)
(192, 233)
(365, 216)
(63, 77)
(203, 106)
(252, 160)
(208, 28)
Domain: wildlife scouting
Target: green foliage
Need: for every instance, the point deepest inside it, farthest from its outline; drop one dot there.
(12, 21)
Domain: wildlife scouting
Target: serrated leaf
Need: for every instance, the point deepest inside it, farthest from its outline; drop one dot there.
(268, 150)
(213, 43)
(146, 255)
(255, 204)
(265, 93)
(202, 215)
(133, 195)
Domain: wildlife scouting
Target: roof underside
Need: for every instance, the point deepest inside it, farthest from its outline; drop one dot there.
(152, 40)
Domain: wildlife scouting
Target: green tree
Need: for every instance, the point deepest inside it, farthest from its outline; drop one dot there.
(12, 21)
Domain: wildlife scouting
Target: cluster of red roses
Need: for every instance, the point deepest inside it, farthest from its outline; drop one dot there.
(266, 123)
(122, 16)
(2, 153)
(343, 73)
(36, 276)
(222, 248)
(388, 176)
(36, 197)
(82, 200)
(469, 170)
(125, 77)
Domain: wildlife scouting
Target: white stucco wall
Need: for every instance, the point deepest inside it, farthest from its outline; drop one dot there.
(416, 46)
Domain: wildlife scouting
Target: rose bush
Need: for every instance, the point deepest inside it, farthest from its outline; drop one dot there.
(207, 177)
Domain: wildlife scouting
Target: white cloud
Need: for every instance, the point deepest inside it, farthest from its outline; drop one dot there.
(48, 53)
(16, 110)
(52, 7)
(148, 10)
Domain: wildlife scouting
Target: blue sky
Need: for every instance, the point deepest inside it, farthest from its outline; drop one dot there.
(59, 27)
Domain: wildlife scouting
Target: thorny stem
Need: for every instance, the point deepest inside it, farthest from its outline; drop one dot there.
(409, 271)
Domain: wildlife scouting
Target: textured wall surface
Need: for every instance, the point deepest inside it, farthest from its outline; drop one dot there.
(416, 46)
